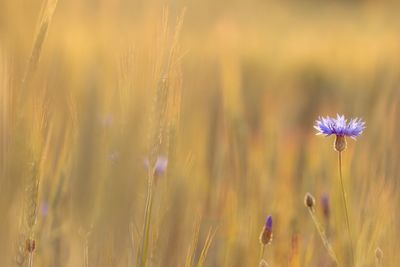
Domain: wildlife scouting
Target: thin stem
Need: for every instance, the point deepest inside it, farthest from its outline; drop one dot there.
(86, 252)
(30, 264)
(262, 252)
(324, 239)
(345, 207)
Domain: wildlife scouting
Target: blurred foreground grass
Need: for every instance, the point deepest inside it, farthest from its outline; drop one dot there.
(230, 99)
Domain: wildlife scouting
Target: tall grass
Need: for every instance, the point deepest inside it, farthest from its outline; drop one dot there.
(137, 135)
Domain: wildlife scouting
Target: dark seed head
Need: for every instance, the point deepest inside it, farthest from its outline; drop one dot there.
(309, 201)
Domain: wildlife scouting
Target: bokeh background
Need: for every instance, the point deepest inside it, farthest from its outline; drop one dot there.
(228, 92)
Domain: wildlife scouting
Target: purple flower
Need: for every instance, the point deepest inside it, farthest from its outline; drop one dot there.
(160, 165)
(339, 126)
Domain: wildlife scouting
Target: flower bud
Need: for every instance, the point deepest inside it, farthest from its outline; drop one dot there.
(325, 206)
(309, 201)
(340, 143)
(266, 233)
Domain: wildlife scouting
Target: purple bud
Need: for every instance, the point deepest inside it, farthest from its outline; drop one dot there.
(268, 223)
(266, 233)
(325, 205)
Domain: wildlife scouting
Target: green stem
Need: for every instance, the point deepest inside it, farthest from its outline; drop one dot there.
(345, 207)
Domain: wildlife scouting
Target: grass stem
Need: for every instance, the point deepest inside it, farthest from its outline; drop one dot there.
(30, 259)
(142, 259)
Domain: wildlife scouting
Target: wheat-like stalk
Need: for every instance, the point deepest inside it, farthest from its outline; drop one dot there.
(48, 9)
(164, 102)
(27, 242)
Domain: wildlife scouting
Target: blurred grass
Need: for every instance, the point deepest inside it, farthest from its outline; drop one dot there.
(254, 76)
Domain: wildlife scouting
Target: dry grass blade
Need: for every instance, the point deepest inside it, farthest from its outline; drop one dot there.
(206, 247)
(193, 245)
(49, 6)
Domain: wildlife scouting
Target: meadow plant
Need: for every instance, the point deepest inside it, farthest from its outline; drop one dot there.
(27, 242)
(164, 118)
(341, 129)
(73, 135)
(265, 237)
(309, 202)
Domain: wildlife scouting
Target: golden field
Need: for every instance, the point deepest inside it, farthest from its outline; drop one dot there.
(163, 133)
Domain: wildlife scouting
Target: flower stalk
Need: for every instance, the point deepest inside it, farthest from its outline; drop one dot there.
(309, 202)
(341, 129)
(344, 197)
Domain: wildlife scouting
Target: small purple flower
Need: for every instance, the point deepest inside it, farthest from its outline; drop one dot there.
(160, 165)
(339, 126)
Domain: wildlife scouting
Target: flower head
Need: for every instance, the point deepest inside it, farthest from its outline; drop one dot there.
(339, 126)
(309, 201)
(266, 233)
